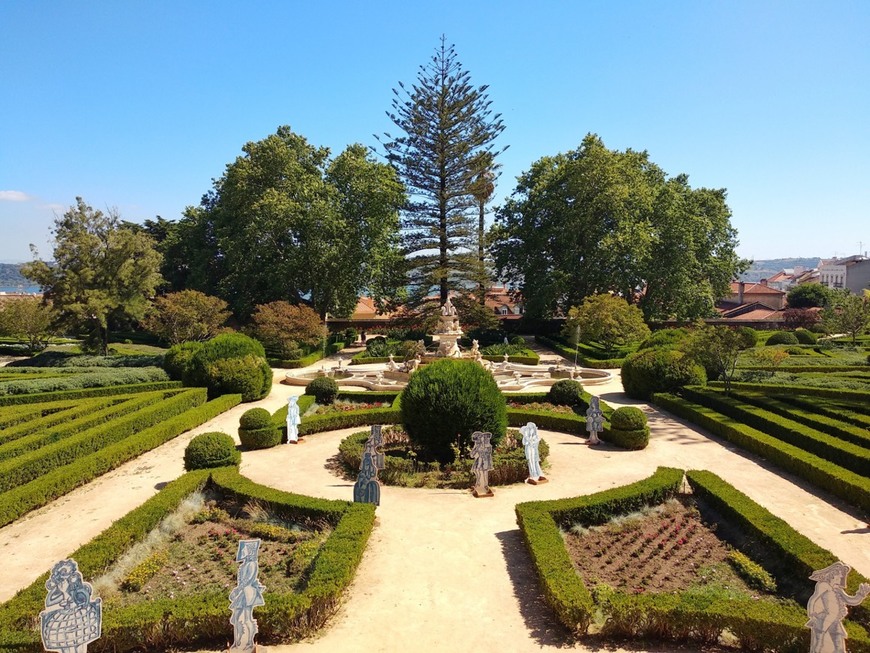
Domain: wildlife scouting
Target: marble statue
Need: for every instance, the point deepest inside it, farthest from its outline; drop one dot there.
(481, 453)
(454, 352)
(531, 440)
(475, 347)
(448, 308)
(367, 488)
(391, 364)
(71, 620)
(506, 341)
(293, 420)
(827, 608)
(245, 596)
(594, 420)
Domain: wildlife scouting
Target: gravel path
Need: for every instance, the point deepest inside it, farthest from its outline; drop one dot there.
(443, 571)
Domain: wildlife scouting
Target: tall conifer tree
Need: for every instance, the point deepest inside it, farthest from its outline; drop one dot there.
(448, 131)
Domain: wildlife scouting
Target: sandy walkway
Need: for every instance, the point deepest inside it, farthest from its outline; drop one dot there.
(443, 571)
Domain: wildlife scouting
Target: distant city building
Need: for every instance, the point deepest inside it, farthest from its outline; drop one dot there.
(851, 273)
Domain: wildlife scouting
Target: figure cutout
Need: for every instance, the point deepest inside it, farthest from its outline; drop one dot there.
(827, 608)
(293, 420)
(481, 452)
(594, 421)
(531, 440)
(245, 596)
(71, 620)
(367, 488)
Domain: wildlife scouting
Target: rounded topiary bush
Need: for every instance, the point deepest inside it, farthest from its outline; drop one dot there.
(805, 337)
(231, 363)
(749, 336)
(257, 430)
(628, 418)
(659, 370)
(323, 389)
(208, 450)
(566, 393)
(782, 338)
(628, 428)
(446, 401)
(178, 358)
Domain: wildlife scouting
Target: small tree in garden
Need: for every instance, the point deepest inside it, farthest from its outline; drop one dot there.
(608, 320)
(185, 316)
(287, 328)
(849, 314)
(717, 349)
(29, 319)
(800, 318)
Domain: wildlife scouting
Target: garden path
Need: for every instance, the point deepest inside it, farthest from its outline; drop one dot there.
(443, 571)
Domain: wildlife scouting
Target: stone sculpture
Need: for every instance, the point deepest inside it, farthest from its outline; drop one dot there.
(372, 446)
(827, 608)
(71, 620)
(245, 596)
(594, 421)
(294, 419)
(475, 347)
(367, 488)
(531, 440)
(391, 365)
(447, 308)
(481, 452)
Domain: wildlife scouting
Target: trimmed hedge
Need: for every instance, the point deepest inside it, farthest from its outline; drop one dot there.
(29, 466)
(38, 419)
(305, 361)
(103, 378)
(584, 359)
(40, 397)
(782, 338)
(845, 454)
(566, 393)
(46, 488)
(169, 623)
(628, 428)
(257, 430)
(540, 523)
(209, 450)
(803, 390)
(847, 485)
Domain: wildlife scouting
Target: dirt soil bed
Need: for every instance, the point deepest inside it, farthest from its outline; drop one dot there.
(664, 549)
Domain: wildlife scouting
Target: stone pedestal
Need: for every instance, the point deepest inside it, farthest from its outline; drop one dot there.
(447, 333)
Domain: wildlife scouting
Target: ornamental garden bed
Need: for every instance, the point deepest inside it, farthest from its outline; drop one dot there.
(311, 550)
(657, 597)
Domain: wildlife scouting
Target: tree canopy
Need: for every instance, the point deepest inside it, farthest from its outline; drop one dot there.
(608, 320)
(185, 316)
(446, 157)
(809, 295)
(595, 220)
(101, 271)
(286, 222)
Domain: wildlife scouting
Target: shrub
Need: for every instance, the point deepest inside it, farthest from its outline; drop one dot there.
(502, 349)
(178, 359)
(231, 363)
(350, 335)
(378, 347)
(782, 338)
(566, 393)
(486, 337)
(749, 336)
(324, 390)
(659, 370)
(671, 338)
(628, 418)
(257, 430)
(446, 401)
(287, 328)
(255, 418)
(212, 449)
(606, 319)
(805, 337)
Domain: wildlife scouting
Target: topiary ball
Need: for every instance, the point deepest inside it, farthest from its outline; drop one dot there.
(566, 393)
(323, 389)
(231, 363)
(659, 370)
(628, 418)
(782, 338)
(446, 401)
(257, 430)
(255, 418)
(805, 337)
(749, 336)
(208, 450)
(177, 360)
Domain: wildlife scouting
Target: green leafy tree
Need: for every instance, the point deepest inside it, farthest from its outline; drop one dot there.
(101, 271)
(608, 320)
(444, 154)
(186, 315)
(809, 295)
(848, 314)
(285, 222)
(596, 220)
(28, 319)
(717, 348)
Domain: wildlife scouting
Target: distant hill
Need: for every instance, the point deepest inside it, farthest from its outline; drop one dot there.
(10, 275)
(765, 269)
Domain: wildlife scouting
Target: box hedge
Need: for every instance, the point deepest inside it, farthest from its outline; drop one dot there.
(41, 397)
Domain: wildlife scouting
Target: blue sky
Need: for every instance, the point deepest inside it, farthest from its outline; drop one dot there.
(139, 105)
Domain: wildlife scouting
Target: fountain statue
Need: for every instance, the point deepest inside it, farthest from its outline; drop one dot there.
(448, 332)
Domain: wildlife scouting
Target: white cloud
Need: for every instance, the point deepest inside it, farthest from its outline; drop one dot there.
(13, 196)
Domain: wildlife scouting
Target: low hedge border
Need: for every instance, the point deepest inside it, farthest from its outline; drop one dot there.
(84, 420)
(335, 421)
(847, 485)
(305, 361)
(797, 369)
(30, 465)
(56, 483)
(169, 623)
(84, 379)
(808, 416)
(39, 419)
(528, 357)
(803, 390)
(39, 397)
(795, 556)
(586, 361)
(540, 523)
(845, 454)
(840, 412)
(362, 359)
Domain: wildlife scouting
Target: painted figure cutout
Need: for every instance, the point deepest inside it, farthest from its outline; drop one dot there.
(481, 452)
(71, 620)
(594, 420)
(827, 608)
(531, 440)
(293, 420)
(367, 488)
(245, 596)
